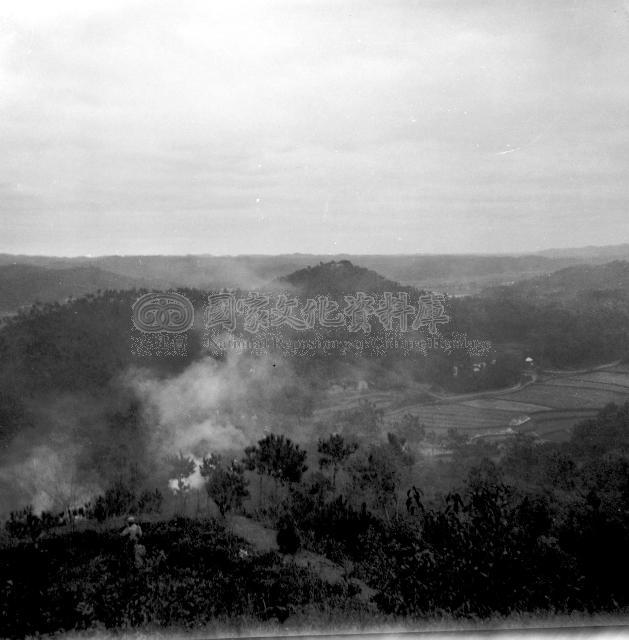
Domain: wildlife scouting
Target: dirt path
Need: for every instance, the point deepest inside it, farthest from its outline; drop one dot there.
(389, 401)
(489, 393)
(263, 539)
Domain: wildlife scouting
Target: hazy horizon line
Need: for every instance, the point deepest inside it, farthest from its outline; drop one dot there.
(322, 254)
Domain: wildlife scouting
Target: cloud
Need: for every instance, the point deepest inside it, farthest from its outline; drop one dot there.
(172, 127)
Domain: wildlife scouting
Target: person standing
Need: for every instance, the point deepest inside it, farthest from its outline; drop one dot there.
(133, 533)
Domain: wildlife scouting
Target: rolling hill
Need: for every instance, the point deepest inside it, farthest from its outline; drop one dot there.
(22, 285)
(336, 278)
(602, 281)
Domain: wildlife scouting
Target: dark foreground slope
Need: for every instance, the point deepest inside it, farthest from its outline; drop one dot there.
(194, 572)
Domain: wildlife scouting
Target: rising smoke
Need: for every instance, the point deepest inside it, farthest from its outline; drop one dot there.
(79, 444)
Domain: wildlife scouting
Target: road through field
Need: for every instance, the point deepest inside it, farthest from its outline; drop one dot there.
(549, 403)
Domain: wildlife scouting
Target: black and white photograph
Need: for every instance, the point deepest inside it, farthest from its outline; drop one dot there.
(314, 318)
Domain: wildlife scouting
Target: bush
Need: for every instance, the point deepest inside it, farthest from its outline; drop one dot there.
(193, 573)
(288, 538)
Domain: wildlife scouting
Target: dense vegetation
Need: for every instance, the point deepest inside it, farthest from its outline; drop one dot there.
(531, 527)
(487, 529)
(86, 343)
(575, 317)
(194, 572)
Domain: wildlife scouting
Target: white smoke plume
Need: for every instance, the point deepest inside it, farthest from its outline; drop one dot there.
(49, 479)
(48, 466)
(71, 453)
(194, 481)
(196, 412)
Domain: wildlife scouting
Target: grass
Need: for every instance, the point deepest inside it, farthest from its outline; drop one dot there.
(314, 622)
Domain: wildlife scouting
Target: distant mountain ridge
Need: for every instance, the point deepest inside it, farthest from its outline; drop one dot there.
(605, 253)
(24, 284)
(60, 277)
(568, 283)
(467, 273)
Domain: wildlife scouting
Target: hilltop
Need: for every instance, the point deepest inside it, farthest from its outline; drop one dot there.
(337, 278)
(456, 274)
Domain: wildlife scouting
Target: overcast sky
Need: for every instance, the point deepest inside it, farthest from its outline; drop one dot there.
(280, 126)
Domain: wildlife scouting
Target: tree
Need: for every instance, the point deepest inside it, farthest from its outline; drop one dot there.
(150, 501)
(334, 451)
(288, 539)
(521, 457)
(209, 464)
(410, 428)
(608, 431)
(181, 468)
(559, 470)
(278, 457)
(375, 475)
(366, 418)
(225, 484)
(119, 499)
(399, 450)
(24, 523)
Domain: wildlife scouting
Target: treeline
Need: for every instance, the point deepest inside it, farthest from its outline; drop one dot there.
(84, 345)
(534, 526)
(562, 331)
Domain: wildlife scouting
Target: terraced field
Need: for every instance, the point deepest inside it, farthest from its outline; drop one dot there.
(506, 405)
(556, 424)
(555, 395)
(612, 378)
(554, 403)
(441, 417)
(342, 401)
